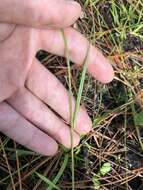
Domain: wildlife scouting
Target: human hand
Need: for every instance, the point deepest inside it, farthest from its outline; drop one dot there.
(27, 88)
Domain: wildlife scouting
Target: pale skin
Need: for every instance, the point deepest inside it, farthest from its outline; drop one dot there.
(27, 87)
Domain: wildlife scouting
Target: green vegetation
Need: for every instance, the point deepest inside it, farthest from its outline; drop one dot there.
(105, 169)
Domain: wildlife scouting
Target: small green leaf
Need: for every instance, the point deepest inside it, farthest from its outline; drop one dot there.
(96, 182)
(139, 119)
(106, 168)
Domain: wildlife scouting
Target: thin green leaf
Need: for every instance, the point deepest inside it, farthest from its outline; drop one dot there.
(60, 173)
(82, 80)
(47, 181)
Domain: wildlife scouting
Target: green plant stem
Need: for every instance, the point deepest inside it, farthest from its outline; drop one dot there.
(70, 104)
(73, 116)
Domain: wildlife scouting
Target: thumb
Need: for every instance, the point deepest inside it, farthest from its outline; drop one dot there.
(37, 13)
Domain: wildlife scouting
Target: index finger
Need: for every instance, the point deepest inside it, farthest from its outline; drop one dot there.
(98, 66)
(37, 13)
